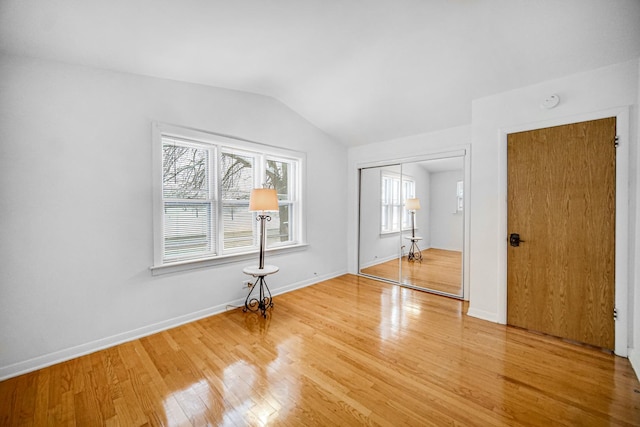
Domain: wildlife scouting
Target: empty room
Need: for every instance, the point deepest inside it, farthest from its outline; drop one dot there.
(308, 212)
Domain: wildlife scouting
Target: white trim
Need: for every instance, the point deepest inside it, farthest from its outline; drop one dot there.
(156, 188)
(420, 157)
(379, 261)
(193, 264)
(69, 353)
(622, 214)
(634, 359)
(224, 140)
(466, 232)
(482, 315)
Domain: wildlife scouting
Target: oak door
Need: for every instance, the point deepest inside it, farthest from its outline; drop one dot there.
(561, 226)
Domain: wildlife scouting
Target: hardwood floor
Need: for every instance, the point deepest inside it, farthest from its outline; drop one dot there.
(348, 351)
(440, 270)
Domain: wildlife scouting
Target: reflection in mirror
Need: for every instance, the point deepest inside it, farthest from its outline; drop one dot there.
(380, 218)
(412, 224)
(439, 228)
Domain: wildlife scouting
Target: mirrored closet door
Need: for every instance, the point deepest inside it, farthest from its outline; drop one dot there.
(412, 223)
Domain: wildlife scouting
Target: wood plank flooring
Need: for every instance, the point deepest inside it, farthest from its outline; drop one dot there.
(440, 270)
(348, 351)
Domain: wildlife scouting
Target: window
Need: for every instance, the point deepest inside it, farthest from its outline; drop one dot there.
(189, 205)
(203, 205)
(395, 192)
(460, 196)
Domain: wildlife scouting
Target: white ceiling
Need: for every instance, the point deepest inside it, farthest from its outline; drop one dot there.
(361, 70)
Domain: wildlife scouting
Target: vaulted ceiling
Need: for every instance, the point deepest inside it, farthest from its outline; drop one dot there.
(361, 70)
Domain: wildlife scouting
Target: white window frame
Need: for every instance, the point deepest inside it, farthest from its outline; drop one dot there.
(294, 185)
(211, 198)
(217, 144)
(403, 216)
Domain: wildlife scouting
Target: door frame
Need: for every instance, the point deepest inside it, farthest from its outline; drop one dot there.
(622, 215)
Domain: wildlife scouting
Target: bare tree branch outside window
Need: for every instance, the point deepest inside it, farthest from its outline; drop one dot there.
(278, 178)
(184, 172)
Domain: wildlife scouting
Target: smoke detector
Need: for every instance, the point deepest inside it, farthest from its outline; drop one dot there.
(550, 102)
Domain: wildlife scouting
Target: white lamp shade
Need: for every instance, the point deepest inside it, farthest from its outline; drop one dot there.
(412, 204)
(263, 199)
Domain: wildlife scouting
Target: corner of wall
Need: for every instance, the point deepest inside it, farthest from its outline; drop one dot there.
(634, 359)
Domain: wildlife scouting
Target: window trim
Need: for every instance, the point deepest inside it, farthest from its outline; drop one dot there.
(221, 142)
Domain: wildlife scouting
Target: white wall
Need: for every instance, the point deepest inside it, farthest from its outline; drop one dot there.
(447, 227)
(76, 213)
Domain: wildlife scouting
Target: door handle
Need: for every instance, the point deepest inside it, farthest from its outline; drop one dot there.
(514, 240)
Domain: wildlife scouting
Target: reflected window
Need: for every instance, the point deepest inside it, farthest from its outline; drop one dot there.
(395, 192)
(460, 195)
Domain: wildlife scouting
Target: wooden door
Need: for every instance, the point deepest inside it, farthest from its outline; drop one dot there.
(561, 202)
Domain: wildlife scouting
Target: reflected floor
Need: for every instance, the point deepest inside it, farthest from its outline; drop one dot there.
(440, 270)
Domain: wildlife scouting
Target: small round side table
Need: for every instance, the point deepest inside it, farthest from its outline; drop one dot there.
(264, 300)
(415, 254)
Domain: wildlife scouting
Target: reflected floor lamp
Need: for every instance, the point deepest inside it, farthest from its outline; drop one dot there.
(262, 200)
(415, 254)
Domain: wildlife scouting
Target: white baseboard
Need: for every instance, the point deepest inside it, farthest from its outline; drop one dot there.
(304, 283)
(63, 355)
(484, 315)
(379, 261)
(634, 359)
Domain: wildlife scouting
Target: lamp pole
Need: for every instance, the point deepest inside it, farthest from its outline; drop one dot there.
(262, 218)
(413, 224)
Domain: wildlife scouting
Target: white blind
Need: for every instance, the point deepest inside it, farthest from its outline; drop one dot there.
(189, 211)
(237, 175)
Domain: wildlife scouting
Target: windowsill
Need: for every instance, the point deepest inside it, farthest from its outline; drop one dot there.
(390, 233)
(174, 267)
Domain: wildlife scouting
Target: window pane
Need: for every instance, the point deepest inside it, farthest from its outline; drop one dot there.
(278, 178)
(384, 218)
(396, 192)
(395, 218)
(187, 230)
(460, 195)
(236, 173)
(278, 228)
(385, 190)
(239, 224)
(185, 174)
(409, 192)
